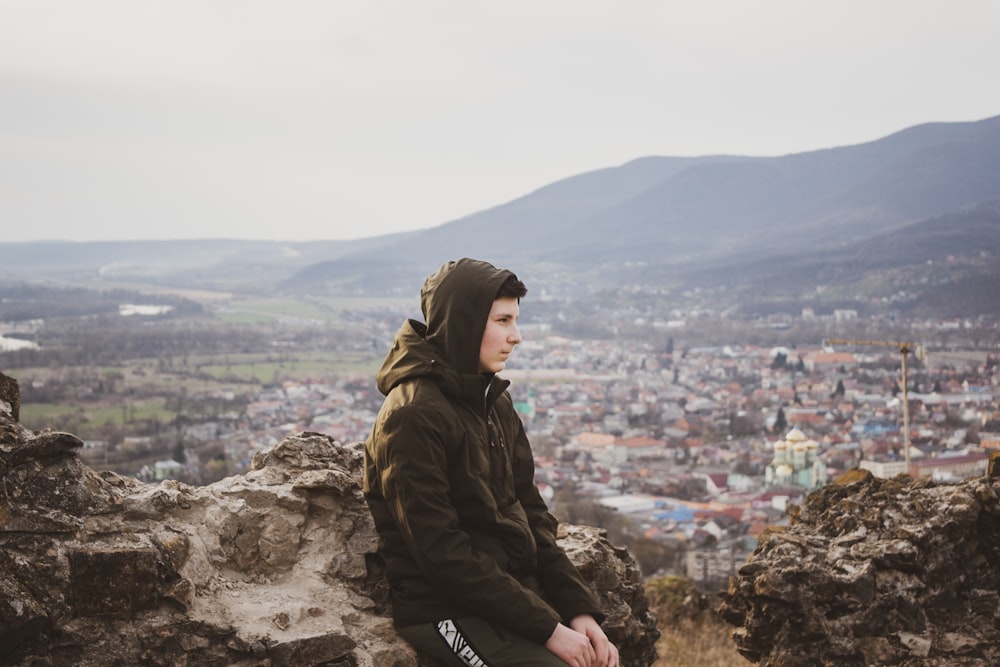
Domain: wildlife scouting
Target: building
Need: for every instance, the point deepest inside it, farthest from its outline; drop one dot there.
(951, 467)
(825, 361)
(639, 447)
(947, 467)
(883, 469)
(708, 565)
(989, 440)
(796, 463)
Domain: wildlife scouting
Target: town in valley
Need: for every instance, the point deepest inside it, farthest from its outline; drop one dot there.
(684, 432)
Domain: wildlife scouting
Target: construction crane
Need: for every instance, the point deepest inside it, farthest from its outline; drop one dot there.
(904, 348)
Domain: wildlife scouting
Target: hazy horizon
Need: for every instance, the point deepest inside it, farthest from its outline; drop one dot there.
(124, 121)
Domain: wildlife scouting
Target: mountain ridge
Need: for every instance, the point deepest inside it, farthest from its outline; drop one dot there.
(742, 202)
(725, 219)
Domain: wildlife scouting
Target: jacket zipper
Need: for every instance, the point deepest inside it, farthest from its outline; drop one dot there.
(495, 436)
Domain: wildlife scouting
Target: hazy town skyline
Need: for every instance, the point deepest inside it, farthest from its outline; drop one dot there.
(313, 120)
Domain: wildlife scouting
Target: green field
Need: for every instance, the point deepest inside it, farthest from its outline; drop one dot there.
(317, 309)
(143, 393)
(129, 397)
(299, 366)
(83, 420)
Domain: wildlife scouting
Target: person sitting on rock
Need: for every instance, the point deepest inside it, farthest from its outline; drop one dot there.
(476, 577)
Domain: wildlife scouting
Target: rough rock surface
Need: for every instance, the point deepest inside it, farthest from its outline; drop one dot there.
(876, 572)
(275, 567)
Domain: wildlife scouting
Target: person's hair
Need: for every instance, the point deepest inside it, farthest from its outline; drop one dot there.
(512, 288)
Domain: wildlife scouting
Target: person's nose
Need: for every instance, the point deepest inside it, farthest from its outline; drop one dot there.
(515, 336)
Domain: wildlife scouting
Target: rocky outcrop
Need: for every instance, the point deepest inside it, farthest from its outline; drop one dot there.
(876, 572)
(274, 567)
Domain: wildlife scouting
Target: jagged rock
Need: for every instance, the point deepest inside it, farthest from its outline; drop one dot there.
(10, 398)
(274, 567)
(876, 572)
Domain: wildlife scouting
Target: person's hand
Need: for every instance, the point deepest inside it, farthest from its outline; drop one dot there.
(571, 647)
(606, 653)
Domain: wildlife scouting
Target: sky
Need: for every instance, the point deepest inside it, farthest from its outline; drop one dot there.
(339, 119)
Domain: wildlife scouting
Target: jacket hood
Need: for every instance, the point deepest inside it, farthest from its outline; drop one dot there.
(455, 301)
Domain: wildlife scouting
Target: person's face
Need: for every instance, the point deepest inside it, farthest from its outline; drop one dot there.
(500, 336)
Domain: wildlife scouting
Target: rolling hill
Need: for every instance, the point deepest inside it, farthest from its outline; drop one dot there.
(726, 219)
(920, 206)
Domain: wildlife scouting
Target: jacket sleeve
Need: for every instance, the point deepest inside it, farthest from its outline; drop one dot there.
(559, 577)
(413, 475)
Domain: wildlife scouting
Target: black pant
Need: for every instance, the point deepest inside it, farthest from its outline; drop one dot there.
(473, 642)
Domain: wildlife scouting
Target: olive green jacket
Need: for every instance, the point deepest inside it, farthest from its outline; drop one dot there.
(449, 477)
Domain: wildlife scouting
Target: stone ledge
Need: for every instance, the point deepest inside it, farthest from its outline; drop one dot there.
(273, 567)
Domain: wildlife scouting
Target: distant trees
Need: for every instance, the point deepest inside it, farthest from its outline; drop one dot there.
(780, 421)
(572, 506)
(110, 340)
(214, 469)
(742, 424)
(654, 556)
(24, 301)
(839, 391)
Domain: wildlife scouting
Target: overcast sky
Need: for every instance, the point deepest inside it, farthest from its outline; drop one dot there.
(337, 119)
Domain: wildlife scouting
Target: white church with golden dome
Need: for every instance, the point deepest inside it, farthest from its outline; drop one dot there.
(796, 463)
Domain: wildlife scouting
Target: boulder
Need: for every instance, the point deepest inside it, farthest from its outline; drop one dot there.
(274, 567)
(876, 572)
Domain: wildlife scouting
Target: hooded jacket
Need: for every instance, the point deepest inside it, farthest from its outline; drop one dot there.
(449, 476)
